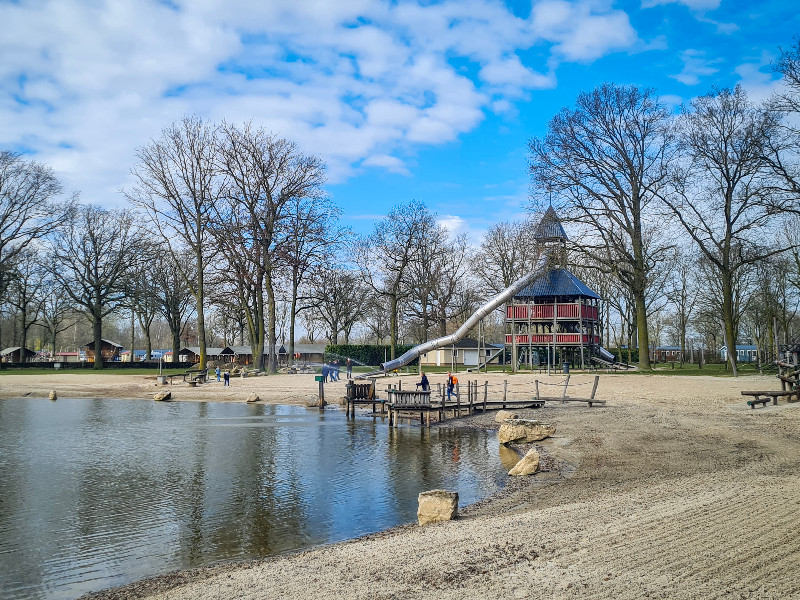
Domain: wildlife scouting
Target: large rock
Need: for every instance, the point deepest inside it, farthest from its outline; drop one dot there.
(528, 465)
(162, 396)
(53, 396)
(503, 415)
(253, 397)
(436, 506)
(522, 431)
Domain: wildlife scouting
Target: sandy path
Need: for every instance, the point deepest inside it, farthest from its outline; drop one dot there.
(675, 489)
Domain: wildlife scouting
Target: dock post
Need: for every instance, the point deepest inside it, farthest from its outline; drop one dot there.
(536, 383)
(564, 393)
(505, 392)
(485, 394)
(458, 400)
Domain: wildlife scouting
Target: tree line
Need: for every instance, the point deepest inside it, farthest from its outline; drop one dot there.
(684, 222)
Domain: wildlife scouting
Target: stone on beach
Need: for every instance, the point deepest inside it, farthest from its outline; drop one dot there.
(521, 431)
(502, 415)
(253, 397)
(528, 465)
(53, 396)
(436, 506)
(160, 396)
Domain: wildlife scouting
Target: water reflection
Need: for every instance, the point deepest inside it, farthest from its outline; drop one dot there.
(98, 493)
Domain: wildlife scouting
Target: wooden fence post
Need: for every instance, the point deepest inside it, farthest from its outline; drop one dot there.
(564, 393)
(485, 394)
(505, 392)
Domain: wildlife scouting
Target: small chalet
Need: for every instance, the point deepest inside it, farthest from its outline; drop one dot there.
(109, 351)
(466, 352)
(17, 354)
(666, 354)
(309, 353)
(744, 353)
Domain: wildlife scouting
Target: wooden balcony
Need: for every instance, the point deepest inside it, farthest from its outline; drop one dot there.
(544, 312)
(562, 339)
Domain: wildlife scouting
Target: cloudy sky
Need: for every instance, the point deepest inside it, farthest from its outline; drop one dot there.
(406, 99)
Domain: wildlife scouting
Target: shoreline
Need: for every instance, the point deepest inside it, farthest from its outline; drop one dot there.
(676, 489)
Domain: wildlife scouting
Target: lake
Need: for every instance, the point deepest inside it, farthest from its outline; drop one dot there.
(96, 493)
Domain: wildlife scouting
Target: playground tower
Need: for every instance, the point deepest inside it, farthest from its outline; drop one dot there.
(556, 318)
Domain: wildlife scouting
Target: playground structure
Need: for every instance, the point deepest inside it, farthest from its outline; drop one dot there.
(789, 376)
(557, 305)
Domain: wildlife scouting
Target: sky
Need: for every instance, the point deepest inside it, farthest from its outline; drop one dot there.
(425, 100)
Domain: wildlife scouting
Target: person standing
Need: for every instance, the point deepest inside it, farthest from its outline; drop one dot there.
(227, 378)
(424, 383)
(217, 372)
(452, 381)
(325, 371)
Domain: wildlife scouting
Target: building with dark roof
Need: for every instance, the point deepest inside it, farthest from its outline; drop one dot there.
(555, 319)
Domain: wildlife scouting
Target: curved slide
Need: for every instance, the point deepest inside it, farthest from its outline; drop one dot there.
(448, 340)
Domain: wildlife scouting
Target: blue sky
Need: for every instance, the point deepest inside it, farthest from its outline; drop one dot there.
(404, 100)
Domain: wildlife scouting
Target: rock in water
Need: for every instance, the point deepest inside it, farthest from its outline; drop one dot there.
(253, 397)
(521, 431)
(502, 415)
(53, 396)
(528, 465)
(436, 506)
(160, 396)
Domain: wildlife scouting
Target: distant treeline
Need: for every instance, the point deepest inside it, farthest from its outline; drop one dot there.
(367, 354)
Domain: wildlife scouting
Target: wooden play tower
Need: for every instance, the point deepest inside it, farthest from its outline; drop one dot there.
(554, 320)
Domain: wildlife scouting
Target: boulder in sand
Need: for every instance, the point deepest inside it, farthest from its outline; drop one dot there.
(528, 465)
(503, 415)
(253, 397)
(437, 505)
(161, 396)
(522, 431)
(53, 396)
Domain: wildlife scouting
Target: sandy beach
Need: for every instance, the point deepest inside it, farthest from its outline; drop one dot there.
(673, 489)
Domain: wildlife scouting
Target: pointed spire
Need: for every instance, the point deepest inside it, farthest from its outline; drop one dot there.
(549, 228)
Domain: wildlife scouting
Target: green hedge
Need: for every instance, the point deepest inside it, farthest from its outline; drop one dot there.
(365, 354)
(622, 354)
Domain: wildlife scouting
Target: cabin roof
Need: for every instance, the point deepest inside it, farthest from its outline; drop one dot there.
(549, 227)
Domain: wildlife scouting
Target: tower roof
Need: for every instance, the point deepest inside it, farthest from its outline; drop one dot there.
(549, 227)
(558, 282)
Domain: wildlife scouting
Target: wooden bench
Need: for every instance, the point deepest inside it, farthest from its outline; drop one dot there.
(757, 397)
(407, 400)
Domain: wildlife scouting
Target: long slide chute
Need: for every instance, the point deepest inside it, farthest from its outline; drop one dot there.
(507, 294)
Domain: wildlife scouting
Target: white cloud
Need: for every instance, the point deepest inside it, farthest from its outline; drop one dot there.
(695, 66)
(358, 82)
(697, 5)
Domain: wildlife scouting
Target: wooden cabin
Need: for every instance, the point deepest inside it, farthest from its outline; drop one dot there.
(109, 351)
(16, 354)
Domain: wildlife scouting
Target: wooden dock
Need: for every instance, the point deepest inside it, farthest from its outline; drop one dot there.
(425, 402)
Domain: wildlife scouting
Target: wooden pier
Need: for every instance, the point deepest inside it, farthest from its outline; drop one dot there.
(424, 402)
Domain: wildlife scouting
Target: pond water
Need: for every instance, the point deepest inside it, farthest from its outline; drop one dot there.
(100, 492)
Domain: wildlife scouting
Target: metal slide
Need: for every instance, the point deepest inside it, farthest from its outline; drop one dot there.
(448, 340)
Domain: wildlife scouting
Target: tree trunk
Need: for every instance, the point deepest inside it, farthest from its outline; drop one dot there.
(272, 335)
(392, 325)
(728, 321)
(97, 330)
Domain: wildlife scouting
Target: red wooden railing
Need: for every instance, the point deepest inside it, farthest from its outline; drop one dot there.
(545, 311)
(547, 338)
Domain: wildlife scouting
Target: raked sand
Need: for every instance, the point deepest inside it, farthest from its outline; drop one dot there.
(675, 489)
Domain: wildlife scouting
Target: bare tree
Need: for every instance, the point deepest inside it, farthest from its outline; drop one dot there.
(56, 309)
(507, 252)
(385, 257)
(265, 176)
(178, 185)
(25, 292)
(338, 297)
(608, 161)
(93, 259)
(724, 194)
(28, 208)
(313, 236)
